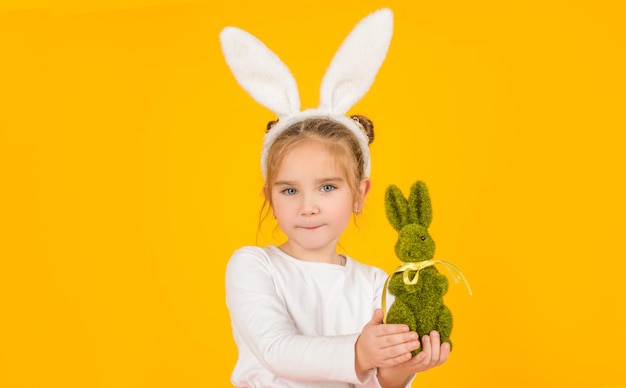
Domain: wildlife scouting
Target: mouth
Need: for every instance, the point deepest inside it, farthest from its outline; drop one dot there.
(311, 227)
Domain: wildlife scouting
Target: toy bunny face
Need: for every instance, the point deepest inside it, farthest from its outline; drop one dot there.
(414, 244)
(411, 218)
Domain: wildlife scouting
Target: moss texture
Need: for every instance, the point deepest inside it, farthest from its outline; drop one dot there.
(418, 305)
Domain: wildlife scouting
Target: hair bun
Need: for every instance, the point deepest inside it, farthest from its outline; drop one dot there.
(366, 125)
(270, 124)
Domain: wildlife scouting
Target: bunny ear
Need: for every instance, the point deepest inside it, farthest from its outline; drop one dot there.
(260, 72)
(356, 63)
(396, 207)
(420, 209)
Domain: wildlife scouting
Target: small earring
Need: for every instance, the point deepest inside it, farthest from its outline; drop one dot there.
(357, 210)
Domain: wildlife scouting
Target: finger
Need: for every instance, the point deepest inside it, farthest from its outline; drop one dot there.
(378, 317)
(404, 347)
(394, 351)
(434, 347)
(376, 324)
(397, 360)
(420, 357)
(386, 330)
(445, 353)
(409, 339)
(392, 329)
(426, 349)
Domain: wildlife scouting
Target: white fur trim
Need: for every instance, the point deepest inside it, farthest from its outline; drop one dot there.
(349, 123)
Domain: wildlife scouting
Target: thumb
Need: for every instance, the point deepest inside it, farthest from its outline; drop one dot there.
(377, 318)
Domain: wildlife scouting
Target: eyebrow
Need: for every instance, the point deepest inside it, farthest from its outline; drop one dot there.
(318, 181)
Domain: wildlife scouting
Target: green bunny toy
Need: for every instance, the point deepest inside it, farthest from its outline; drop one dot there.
(417, 285)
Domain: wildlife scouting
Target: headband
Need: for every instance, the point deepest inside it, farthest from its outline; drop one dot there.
(351, 73)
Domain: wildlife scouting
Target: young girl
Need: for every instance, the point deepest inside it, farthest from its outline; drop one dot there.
(302, 314)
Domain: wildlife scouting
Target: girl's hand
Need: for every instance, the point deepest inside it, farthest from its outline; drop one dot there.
(433, 354)
(382, 345)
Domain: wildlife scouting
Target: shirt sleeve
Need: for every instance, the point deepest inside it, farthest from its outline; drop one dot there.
(264, 324)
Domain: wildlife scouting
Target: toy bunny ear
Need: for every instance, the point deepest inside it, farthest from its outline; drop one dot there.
(420, 209)
(396, 207)
(356, 63)
(260, 72)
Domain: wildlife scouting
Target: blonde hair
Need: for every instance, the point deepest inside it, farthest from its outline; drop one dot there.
(338, 140)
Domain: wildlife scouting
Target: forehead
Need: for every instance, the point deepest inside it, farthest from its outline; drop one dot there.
(310, 159)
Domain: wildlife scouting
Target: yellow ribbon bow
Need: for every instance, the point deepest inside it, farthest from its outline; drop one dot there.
(406, 268)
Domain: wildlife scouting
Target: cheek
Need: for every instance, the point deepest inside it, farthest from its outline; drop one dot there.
(281, 207)
(343, 209)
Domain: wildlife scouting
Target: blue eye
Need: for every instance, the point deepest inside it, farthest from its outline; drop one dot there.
(326, 188)
(289, 191)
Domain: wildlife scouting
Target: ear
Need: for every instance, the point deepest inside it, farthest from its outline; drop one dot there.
(265, 193)
(364, 188)
(356, 63)
(420, 209)
(260, 72)
(396, 207)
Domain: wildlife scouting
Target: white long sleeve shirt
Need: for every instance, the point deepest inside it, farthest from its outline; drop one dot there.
(296, 322)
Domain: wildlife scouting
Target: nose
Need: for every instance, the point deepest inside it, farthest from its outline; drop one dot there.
(309, 206)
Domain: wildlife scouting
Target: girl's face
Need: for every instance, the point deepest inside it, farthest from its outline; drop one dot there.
(312, 202)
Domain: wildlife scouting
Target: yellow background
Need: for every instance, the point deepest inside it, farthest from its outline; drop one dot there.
(129, 173)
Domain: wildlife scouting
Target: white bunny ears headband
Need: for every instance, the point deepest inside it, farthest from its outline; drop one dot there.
(350, 74)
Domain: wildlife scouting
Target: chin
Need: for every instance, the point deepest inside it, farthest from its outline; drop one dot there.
(313, 244)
